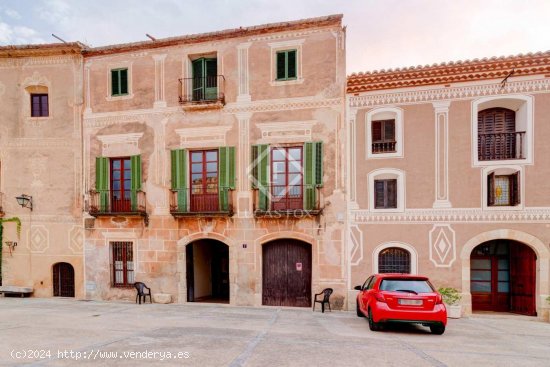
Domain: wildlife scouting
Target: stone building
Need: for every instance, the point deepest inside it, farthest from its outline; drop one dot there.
(213, 165)
(449, 178)
(40, 157)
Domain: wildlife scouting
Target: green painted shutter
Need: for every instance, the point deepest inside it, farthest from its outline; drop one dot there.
(123, 81)
(135, 183)
(102, 182)
(179, 177)
(291, 64)
(114, 83)
(313, 173)
(226, 175)
(260, 174)
(281, 65)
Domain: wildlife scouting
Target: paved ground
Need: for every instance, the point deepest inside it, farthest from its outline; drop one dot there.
(106, 333)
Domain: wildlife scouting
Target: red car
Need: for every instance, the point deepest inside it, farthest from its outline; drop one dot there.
(401, 298)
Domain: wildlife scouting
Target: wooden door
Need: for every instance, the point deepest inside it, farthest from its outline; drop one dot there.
(121, 182)
(287, 178)
(523, 275)
(286, 273)
(190, 273)
(204, 181)
(63, 280)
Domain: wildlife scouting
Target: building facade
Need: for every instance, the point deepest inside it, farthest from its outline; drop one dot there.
(40, 157)
(213, 165)
(448, 178)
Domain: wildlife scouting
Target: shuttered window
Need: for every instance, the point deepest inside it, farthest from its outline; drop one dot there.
(385, 194)
(39, 105)
(118, 181)
(122, 264)
(503, 190)
(383, 136)
(119, 82)
(287, 65)
(497, 136)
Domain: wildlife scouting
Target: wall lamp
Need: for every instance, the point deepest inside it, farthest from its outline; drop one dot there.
(25, 201)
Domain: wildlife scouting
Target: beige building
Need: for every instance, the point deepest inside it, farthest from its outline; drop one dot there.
(40, 157)
(213, 165)
(449, 178)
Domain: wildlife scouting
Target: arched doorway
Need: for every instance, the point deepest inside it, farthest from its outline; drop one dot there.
(207, 271)
(503, 277)
(63, 280)
(286, 273)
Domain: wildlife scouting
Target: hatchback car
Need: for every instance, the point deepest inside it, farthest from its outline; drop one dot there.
(401, 298)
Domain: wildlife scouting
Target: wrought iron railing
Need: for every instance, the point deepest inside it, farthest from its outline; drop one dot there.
(383, 147)
(499, 146)
(287, 199)
(199, 90)
(107, 202)
(202, 201)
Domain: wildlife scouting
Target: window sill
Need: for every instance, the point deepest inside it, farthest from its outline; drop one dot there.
(389, 210)
(371, 155)
(119, 97)
(503, 207)
(278, 83)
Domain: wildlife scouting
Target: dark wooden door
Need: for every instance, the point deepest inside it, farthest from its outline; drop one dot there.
(523, 275)
(63, 280)
(190, 273)
(286, 273)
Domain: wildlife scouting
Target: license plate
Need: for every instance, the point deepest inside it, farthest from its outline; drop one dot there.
(410, 302)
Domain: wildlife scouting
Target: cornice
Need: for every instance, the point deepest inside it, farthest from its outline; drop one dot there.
(97, 120)
(455, 215)
(39, 60)
(33, 143)
(378, 98)
(281, 104)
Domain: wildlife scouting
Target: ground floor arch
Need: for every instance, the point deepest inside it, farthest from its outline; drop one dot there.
(207, 271)
(286, 273)
(63, 280)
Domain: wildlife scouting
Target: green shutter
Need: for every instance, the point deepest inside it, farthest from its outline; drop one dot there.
(291, 65)
(281, 65)
(226, 175)
(123, 81)
(114, 83)
(260, 174)
(313, 173)
(102, 181)
(179, 177)
(135, 183)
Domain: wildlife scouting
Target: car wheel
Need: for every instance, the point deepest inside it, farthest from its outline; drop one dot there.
(374, 326)
(359, 313)
(437, 329)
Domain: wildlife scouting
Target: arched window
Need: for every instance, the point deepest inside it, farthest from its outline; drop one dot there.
(497, 135)
(394, 260)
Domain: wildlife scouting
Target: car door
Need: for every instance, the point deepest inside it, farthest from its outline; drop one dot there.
(364, 293)
(368, 292)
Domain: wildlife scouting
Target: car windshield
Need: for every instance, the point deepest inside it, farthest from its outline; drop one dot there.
(406, 285)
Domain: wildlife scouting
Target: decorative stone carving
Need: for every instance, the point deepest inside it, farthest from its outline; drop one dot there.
(38, 165)
(120, 144)
(356, 245)
(76, 239)
(39, 238)
(287, 132)
(442, 245)
(203, 137)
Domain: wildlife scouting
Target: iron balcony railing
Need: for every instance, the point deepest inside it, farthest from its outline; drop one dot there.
(288, 200)
(500, 146)
(383, 147)
(217, 201)
(107, 202)
(198, 90)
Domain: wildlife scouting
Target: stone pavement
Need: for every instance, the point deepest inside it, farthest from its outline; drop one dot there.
(107, 333)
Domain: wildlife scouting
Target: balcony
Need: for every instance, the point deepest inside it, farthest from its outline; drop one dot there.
(202, 202)
(383, 147)
(501, 146)
(278, 201)
(111, 203)
(202, 92)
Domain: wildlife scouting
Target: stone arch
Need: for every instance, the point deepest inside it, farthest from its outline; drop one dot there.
(543, 263)
(286, 234)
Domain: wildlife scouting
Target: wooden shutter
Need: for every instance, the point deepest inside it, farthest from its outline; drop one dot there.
(281, 63)
(391, 193)
(389, 130)
(102, 181)
(379, 194)
(123, 81)
(226, 173)
(115, 83)
(135, 182)
(491, 189)
(291, 64)
(376, 131)
(260, 174)
(313, 173)
(179, 177)
(319, 151)
(515, 191)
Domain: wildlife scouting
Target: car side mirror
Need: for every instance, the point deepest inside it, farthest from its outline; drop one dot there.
(358, 288)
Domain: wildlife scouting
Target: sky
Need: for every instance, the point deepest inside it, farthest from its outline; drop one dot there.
(381, 34)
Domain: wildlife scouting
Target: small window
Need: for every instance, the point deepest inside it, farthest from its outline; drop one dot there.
(383, 136)
(119, 82)
(122, 264)
(503, 190)
(39, 105)
(394, 260)
(385, 194)
(286, 65)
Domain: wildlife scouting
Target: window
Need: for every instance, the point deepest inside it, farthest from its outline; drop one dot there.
(121, 176)
(394, 260)
(287, 178)
(204, 180)
(118, 185)
(286, 65)
(205, 79)
(383, 136)
(497, 135)
(119, 82)
(385, 194)
(503, 190)
(39, 105)
(122, 264)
